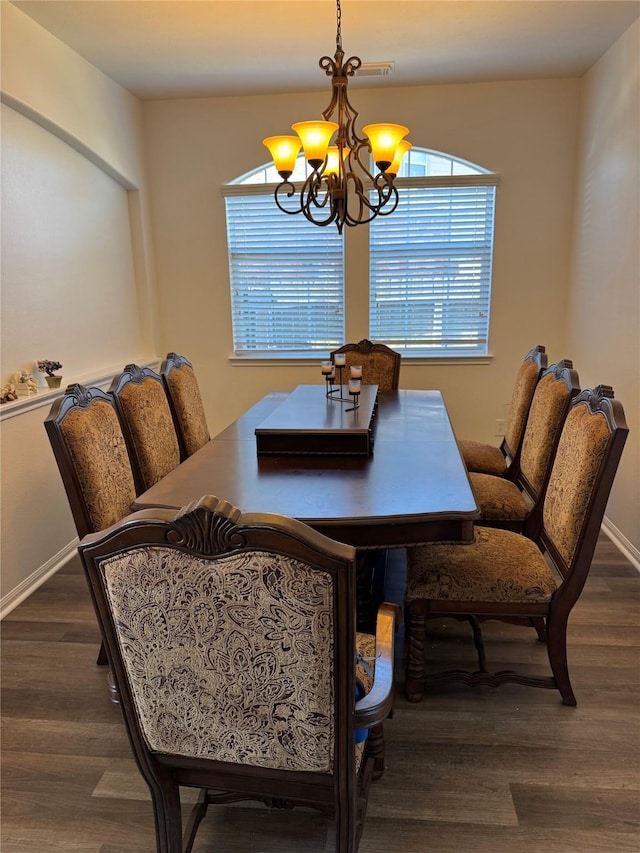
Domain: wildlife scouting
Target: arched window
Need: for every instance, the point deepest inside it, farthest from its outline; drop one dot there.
(429, 265)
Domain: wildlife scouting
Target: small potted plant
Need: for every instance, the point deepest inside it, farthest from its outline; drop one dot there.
(49, 369)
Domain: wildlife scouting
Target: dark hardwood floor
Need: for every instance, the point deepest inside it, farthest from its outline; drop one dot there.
(488, 771)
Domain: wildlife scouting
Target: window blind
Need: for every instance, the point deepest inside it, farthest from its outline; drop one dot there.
(286, 279)
(430, 271)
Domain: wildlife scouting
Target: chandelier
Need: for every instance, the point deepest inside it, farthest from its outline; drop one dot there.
(340, 188)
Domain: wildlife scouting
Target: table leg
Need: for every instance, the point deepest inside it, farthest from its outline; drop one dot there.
(370, 572)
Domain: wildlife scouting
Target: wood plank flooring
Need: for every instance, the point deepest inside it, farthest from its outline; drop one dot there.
(488, 771)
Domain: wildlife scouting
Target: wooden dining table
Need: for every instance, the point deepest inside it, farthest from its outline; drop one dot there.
(412, 488)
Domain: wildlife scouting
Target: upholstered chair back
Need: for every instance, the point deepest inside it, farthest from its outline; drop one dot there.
(521, 397)
(185, 403)
(230, 658)
(90, 451)
(503, 461)
(380, 364)
(147, 424)
(553, 394)
(586, 459)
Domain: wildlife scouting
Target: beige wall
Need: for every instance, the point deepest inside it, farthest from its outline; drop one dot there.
(77, 280)
(603, 300)
(525, 131)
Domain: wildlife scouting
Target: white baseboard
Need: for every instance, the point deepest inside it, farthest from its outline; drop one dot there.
(24, 589)
(622, 543)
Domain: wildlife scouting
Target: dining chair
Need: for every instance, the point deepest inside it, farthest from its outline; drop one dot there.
(236, 656)
(537, 574)
(147, 425)
(507, 501)
(485, 458)
(380, 364)
(185, 402)
(91, 454)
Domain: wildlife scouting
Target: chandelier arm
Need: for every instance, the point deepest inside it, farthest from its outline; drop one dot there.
(363, 148)
(316, 196)
(288, 189)
(387, 195)
(312, 214)
(389, 209)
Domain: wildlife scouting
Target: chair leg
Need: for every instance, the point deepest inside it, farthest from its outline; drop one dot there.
(346, 819)
(375, 748)
(541, 629)
(102, 656)
(416, 640)
(478, 642)
(365, 609)
(557, 651)
(168, 817)
(197, 813)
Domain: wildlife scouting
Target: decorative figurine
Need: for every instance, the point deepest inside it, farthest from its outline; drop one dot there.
(26, 385)
(8, 393)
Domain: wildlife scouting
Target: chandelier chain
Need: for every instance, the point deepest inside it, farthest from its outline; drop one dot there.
(338, 25)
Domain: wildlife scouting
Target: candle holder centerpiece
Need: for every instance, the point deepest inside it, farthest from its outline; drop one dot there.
(329, 370)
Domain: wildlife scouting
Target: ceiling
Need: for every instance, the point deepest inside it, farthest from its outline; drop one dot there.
(204, 48)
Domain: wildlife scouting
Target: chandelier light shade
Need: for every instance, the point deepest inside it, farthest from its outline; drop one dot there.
(284, 152)
(341, 187)
(403, 146)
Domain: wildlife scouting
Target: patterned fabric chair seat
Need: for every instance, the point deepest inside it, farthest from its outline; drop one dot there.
(479, 456)
(498, 499)
(497, 566)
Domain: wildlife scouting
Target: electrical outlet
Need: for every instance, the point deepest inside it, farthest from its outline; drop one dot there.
(500, 423)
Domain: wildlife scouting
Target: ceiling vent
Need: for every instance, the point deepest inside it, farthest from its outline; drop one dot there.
(375, 69)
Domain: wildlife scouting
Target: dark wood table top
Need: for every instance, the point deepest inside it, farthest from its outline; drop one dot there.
(413, 489)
